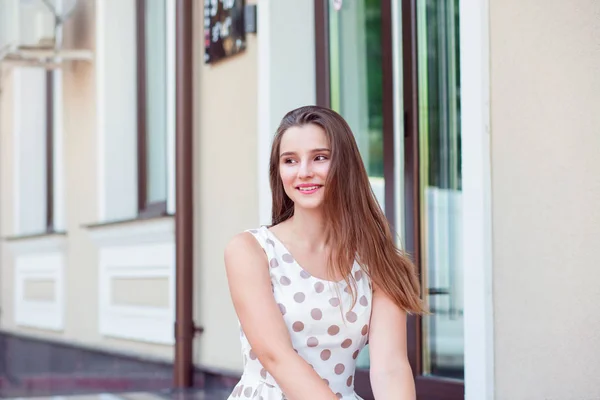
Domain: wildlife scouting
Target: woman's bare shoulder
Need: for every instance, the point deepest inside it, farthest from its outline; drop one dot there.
(244, 249)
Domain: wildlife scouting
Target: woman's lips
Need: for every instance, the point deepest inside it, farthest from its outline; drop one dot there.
(308, 189)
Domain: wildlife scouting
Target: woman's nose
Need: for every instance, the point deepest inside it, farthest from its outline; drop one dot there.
(305, 170)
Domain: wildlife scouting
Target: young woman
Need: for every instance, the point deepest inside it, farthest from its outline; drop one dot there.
(325, 278)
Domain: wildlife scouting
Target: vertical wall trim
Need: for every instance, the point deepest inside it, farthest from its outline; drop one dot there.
(477, 209)
(100, 112)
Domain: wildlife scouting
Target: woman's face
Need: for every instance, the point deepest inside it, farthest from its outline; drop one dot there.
(304, 161)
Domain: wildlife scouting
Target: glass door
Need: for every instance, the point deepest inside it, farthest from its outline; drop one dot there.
(440, 173)
(433, 187)
(353, 42)
(392, 71)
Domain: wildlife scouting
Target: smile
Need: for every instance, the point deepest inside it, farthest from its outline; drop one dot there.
(309, 189)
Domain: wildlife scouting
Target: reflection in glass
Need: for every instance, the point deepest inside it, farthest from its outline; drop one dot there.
(356, 79)
(156, 100)
(441, 188)
(356, 86)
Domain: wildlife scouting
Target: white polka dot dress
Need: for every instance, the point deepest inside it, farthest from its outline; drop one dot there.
(312, 309)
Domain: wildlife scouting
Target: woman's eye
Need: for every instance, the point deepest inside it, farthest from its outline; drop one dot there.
(321, 158)
(288, 161)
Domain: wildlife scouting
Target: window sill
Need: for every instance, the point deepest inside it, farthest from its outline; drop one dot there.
(134, 231)
(129, 221)
(33, 236)
(37, 242)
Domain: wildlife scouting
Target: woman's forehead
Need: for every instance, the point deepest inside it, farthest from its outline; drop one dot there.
(306, 137)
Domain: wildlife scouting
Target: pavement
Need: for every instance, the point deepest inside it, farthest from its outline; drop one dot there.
(192, 394)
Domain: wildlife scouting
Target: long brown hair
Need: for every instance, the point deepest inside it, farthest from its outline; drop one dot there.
(356, 227)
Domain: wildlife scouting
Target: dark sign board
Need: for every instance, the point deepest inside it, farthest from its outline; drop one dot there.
(224, 33)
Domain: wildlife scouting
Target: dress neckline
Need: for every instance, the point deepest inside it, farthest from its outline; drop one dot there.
(275, 238)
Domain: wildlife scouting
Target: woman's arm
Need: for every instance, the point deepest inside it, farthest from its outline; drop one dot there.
(391, 375)
(263, 325)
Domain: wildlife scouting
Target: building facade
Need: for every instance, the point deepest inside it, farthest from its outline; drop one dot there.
(476, 120)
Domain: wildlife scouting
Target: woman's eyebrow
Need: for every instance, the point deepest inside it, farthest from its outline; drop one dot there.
(291, 153)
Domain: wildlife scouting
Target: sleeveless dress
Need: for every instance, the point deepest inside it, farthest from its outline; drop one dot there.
(312, 309)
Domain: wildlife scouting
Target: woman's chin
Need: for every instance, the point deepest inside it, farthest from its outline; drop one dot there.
(308, 204)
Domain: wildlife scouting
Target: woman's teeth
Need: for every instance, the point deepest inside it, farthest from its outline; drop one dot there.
(309, 188)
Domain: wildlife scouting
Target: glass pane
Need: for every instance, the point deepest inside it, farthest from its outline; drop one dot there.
(441, 189)
(156, 100)
(356, 79)
(31, 160)
(356, 86)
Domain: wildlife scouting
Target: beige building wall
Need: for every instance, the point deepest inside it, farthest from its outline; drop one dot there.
(226, 195)
(545, 114)
(239, 104)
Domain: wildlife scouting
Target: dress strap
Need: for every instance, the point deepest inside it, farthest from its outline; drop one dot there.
(262, 237)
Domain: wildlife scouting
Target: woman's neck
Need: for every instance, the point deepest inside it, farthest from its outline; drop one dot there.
(307, 227)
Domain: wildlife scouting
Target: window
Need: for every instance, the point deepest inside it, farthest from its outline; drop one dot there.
(135, 111)
(152, 107)
(36, 165)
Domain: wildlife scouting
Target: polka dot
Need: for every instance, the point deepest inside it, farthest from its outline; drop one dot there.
(348, 290)
(287, 258)
(363, 301)
(274, 263)
(333, 330)
(355, 354)
(346, 343)
(269, 241)
(299, 297)
(252, 355)
(338, 395)
(248, 391)
(339, 369)
(263, 373)
(325, 354)
(312, 342)
(326, 381)
(358, 275)
(365, 330)
(349, 381)
(305, 274)
(316, 314)
(285, 281)
(282, 308)
(334, 301)
(254, 231)
(351, 316)
(298, 326)
(319, 287)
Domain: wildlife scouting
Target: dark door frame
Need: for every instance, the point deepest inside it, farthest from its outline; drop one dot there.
(428, 387)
